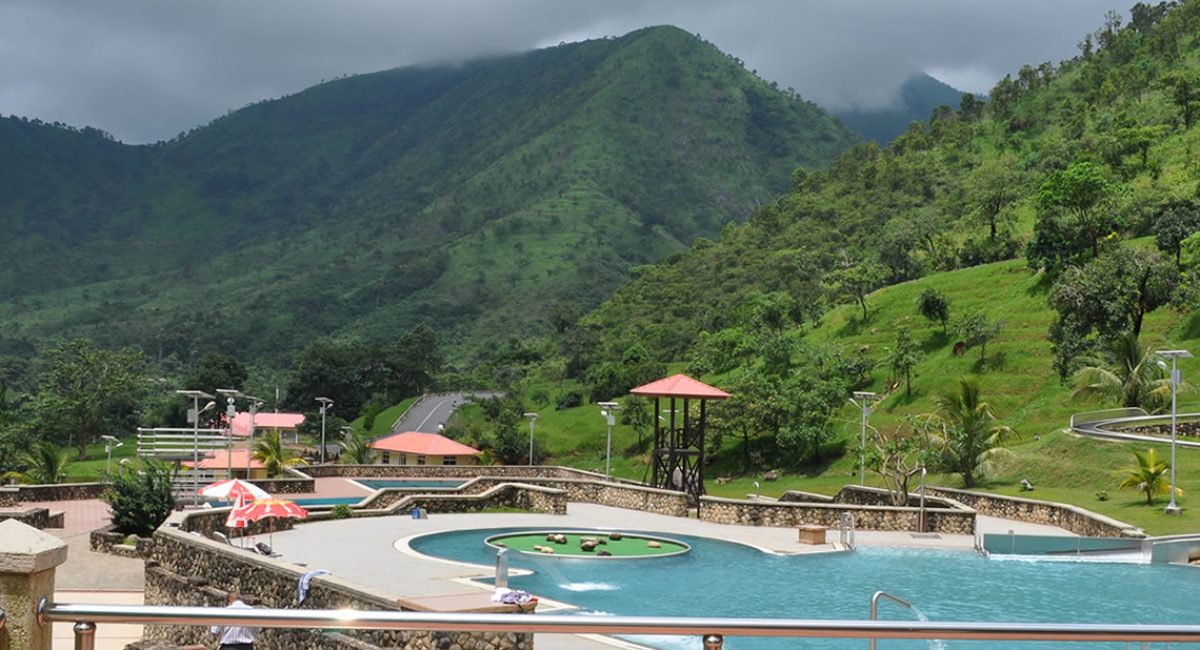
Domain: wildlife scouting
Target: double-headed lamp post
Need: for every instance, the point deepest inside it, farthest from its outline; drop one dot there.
(110, 443)
(609, 414)
(231, 394)
(194, 418)
(864, 399)
(1176, 375)
(325, 404)
(532, 418)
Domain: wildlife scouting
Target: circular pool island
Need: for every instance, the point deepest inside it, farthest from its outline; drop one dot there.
(589, 544)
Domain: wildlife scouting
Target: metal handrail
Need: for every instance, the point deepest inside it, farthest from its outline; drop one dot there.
(87, 616)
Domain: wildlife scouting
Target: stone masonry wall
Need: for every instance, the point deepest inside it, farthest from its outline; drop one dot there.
(535, 498)
(9, 496)
(1077, 520)
(60, 492)
(40, 518)
(186, 569)
(869, 496)
(450, 471)
(587, 490)
(780, 514)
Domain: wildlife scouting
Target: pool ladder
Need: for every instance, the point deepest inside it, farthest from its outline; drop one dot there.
(846, 530)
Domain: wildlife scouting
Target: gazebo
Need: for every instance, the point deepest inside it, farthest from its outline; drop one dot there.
(678, 455)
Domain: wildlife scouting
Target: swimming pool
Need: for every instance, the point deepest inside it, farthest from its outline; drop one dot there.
(724, 579)
(381, 483)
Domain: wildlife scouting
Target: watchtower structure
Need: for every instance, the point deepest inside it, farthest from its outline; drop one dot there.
(678, 456)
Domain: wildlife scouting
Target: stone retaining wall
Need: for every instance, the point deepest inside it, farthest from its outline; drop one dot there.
(534, 498)
(189, 570)
(587, 490)
(40, 518)
(783, 514)
(207, 520)
(451, 471)
(1075, 519)
(869, 496)
(60, 492)
(109, 540)
(796, 496)
(295, 483)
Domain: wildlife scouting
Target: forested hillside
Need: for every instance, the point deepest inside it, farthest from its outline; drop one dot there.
(474, 197)
(1062, 165)
(915, 100)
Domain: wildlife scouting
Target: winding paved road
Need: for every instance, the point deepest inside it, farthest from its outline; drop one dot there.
(433, 410)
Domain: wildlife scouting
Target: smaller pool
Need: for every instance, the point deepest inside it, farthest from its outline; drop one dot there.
(409, 484)
(312, 501)
(589, 544)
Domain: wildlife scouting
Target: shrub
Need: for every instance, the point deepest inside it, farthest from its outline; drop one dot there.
(568, 400)
(341, 511)
(141, 501)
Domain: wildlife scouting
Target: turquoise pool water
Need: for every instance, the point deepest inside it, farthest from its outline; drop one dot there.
(314, 501)
(724, 579)
(381, 483)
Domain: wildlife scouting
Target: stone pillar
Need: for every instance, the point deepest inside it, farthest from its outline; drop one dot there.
(27, 560)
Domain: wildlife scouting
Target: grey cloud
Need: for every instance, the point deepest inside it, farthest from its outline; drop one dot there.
(146, 69)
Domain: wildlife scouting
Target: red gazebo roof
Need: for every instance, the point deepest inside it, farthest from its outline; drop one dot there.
(680, 386)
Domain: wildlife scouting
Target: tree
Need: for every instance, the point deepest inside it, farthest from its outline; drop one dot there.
(1110, 295)
(904, 356)
(141, 501)
(45, 464)
(857, 281)
(1149, 476)
(1175, 222)
(1184, 87)
(212, 371)
(88, 391)
(970, 437)
(1083, 193)
(1127, 374)
(991, 188)
(635, 412)
(269, 451)
(508, 445)
(977, 330)
(358, 450)
(934, 306)
(899, 455)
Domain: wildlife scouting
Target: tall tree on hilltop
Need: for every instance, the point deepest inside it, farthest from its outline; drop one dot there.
(1083, 194)
(991, 188)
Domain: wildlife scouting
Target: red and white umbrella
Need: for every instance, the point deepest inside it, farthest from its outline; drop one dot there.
(234, 490)
(236, 518)
(269, 508)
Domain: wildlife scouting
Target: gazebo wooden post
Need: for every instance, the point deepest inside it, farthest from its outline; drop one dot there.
(677, 460)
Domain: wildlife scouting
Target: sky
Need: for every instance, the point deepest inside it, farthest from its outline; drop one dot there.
(145, 70)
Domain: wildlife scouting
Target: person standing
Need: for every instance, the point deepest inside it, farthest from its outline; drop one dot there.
(235, 638)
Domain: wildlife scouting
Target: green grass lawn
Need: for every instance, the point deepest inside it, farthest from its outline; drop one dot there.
(385, 419)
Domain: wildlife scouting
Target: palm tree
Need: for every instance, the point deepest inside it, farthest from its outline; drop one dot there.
(1148, 476)
(44, 464)
(970, 437)
(1126, 372)
(358, 451)
(269, 450)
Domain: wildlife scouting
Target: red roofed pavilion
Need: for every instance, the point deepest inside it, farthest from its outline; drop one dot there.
(415, 448)
(678, 455)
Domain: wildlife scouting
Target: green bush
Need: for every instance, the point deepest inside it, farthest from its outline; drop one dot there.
(341, 511)
(141, 501)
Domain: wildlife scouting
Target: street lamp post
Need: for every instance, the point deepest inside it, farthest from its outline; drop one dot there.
(532, 418)
(194, 418)
(1174, 356)
(110, 443)
(232, 393)
(864, 401)
(609, 414)
(325, 404)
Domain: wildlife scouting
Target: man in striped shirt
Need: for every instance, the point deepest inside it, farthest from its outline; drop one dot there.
(235, 638)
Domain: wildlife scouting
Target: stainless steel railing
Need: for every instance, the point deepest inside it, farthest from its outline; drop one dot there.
(712, 630)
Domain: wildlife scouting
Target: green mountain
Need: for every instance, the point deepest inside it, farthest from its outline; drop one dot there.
(759, 309)
(914, 102)
(474, 197)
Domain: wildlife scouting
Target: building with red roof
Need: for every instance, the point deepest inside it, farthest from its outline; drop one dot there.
(415, 448)
(284, 423)
(220, 460)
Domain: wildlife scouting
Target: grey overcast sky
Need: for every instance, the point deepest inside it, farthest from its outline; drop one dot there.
(145, 70)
